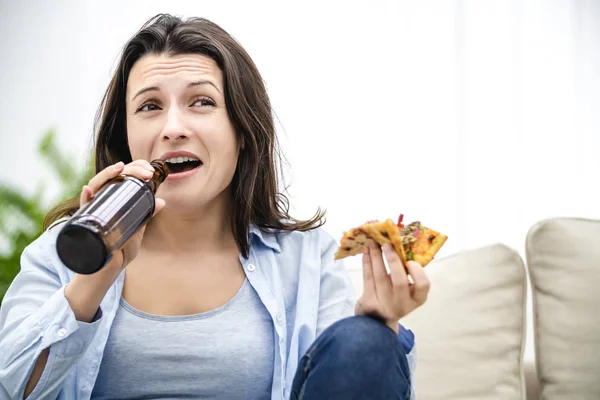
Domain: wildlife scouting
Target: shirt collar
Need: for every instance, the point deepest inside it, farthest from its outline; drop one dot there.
(267, 238)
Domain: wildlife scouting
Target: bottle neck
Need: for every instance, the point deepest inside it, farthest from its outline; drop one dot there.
(152, 185)
(155, 182)
(161, 171)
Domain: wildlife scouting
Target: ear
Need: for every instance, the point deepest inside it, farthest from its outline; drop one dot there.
(242, 143)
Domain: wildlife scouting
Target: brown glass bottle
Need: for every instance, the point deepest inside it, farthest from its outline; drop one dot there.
(88, 240)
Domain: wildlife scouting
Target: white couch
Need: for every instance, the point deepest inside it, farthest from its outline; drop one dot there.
(471, 331)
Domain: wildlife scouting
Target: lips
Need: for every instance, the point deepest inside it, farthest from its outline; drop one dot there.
(181, 164)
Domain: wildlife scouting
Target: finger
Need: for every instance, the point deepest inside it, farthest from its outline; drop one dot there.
(103, 176)
(138, 171)
(86, 195)
(421, 283)
(158, 205)
(383, 285)
(142, 163)
(398, 275)
(368, 282)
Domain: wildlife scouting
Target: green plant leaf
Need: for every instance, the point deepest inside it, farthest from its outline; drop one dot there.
(55, 158)
(22, 216)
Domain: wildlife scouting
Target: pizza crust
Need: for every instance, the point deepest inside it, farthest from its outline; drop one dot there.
(352, 243)
(387, 232)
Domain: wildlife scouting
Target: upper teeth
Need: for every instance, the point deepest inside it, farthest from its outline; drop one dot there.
(177, 160)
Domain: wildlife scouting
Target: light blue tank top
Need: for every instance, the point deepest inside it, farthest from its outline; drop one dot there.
(226, 353)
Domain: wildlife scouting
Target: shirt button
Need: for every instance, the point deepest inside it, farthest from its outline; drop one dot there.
(251, 267)
(62, 332)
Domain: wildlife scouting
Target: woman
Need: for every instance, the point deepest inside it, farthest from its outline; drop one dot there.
(223, 294)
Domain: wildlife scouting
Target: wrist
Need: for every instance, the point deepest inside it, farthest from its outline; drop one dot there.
(85, 293)
(393, 326)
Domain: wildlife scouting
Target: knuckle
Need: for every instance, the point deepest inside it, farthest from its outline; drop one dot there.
(422, 286)
(401, 283)
(420, 298)
(382, 280)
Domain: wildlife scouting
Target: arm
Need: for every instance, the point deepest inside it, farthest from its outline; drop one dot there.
(40, 336)
(45, 326)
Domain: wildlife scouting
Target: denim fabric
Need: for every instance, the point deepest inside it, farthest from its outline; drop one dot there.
(355, 358)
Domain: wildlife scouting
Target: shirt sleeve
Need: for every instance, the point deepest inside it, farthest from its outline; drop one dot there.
(35, 315)
(337, 297)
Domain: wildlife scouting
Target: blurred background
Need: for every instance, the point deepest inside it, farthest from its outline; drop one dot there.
(478, 117)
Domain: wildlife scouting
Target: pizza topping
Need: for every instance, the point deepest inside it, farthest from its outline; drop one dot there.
(431, 237)
(408, 239)
(399, 223)
(413, 229)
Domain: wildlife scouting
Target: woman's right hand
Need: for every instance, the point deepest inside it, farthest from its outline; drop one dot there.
(85, 292)
(140, 169)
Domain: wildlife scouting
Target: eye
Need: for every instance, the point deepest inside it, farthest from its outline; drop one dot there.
(204, 101)
(147, 107)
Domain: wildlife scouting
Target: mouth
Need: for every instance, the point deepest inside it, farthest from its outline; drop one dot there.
(181, 164)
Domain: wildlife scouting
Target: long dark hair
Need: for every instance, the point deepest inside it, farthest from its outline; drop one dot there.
(254, 188)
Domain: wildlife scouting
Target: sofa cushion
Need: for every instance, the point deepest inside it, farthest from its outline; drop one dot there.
(470, 333)
(563, 255)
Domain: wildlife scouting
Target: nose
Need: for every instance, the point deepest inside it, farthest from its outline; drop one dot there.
(174, 128)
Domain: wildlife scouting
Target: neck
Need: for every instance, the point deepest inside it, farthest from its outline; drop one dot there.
(206, 229)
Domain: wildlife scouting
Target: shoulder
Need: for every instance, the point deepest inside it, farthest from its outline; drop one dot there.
(317, 240)
(41, 253)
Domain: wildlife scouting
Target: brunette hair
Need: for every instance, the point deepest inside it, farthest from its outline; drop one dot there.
(254, 187)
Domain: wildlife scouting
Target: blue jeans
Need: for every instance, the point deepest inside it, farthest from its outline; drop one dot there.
(355, 358)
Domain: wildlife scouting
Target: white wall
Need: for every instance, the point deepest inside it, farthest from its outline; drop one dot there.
(477, 117)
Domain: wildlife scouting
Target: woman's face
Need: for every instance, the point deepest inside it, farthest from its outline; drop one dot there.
(176, 112)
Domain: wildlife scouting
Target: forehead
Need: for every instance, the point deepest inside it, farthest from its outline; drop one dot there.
(157, 69)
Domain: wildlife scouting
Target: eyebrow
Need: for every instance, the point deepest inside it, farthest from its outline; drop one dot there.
(189, 85)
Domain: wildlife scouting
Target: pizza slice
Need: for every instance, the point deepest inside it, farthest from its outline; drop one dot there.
(411, 242)
(354, 241)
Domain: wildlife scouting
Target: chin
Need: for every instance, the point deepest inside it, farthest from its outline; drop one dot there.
(183, 201)
(188, 199)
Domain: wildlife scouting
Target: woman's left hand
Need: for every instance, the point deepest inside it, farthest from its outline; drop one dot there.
(390, 297)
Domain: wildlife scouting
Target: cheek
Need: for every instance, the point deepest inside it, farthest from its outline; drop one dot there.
(140, 145)
(219, 136)
(223, 151)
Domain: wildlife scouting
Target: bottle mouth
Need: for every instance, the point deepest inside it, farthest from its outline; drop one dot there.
(162, 168)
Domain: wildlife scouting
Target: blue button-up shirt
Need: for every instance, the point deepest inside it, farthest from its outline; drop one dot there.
(294, 274)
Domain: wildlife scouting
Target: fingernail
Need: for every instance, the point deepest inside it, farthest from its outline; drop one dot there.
(118, 165)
